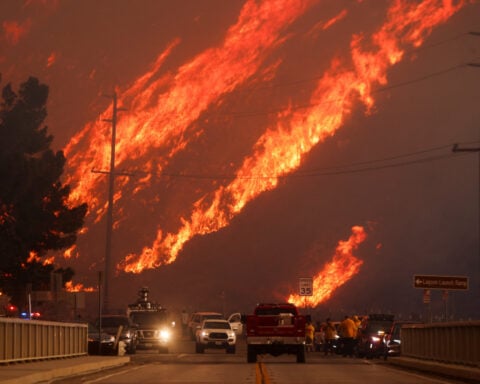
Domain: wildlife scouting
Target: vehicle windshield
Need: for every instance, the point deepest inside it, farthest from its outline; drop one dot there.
(114, 321)
(92, 328)
(149, 318)
(216, 325)
(376, 326)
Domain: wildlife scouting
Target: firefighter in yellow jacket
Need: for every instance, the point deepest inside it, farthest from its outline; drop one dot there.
(309, 336)
(348, 333)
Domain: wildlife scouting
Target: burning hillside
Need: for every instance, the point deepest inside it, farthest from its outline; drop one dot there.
(218, 123)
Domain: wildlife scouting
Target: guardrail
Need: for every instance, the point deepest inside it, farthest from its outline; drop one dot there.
(452, 343)
(24, 340)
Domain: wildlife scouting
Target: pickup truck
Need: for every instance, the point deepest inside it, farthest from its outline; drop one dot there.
(275, 329)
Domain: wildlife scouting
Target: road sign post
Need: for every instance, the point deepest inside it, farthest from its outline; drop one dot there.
(440, 282)
(305, 285)
(305, 288)
(445, 283)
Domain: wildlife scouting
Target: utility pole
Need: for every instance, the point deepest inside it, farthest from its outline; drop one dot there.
(111, 192)
(111, 187)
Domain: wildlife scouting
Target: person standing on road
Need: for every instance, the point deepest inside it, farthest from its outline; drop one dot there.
(309, 336)
(348, 332)
(330, 336)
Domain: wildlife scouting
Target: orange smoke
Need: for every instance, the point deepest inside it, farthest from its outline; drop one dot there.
(336, 272)
(280, 150)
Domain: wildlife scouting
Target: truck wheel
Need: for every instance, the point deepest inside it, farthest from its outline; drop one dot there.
(199, 348)
(301, 354)
(163, 350)
(231, 349)
(251, 355)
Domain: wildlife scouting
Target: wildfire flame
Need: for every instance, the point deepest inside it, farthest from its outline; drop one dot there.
(188, 93)
(162, 109)
(343, 266)
(280, 149)
(70, 287)
(34, 257)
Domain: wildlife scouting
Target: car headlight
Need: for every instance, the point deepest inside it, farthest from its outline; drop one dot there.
(164, 334)
(204, 334)
(375, 339)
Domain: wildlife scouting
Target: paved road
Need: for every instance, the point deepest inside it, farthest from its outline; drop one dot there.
(183, 365)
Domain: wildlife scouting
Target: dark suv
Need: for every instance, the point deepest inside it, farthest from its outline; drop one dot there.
(393, 339)
(112, 324)
(371, 336)
(154, 330)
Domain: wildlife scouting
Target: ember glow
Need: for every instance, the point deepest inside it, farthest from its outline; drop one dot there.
(341, 268)
(15, 31)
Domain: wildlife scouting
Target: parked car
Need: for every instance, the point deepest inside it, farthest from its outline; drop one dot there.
(197, 318)
(215, 333)
(371, 336)
(108, 345)
(394, 337)
(113, 324)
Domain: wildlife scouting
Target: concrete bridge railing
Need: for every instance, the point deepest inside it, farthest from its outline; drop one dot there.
(24, 340)
(452, 343)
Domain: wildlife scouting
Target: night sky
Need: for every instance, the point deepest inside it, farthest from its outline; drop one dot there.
(205, 86)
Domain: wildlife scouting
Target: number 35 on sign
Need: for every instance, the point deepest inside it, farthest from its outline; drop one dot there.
(306, 286)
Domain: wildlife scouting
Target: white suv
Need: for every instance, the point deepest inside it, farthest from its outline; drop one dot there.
(215, 333)
(197, 318)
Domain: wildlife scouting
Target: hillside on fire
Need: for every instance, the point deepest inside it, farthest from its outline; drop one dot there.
(226, 149)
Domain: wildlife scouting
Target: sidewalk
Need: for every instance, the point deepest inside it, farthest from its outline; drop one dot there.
(38, 371)
(451, 370)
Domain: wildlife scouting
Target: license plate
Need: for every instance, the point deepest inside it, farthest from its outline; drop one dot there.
(218, 343)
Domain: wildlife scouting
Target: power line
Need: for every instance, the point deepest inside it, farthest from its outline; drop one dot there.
(241, 114)
(450, 151)
(257, 113)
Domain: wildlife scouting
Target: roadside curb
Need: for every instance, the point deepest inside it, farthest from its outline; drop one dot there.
(451, 370)
(35, 372)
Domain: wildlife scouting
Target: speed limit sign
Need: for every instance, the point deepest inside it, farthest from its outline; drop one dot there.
(306, 286)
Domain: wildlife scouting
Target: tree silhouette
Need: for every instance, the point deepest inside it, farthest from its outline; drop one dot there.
(34, 215)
